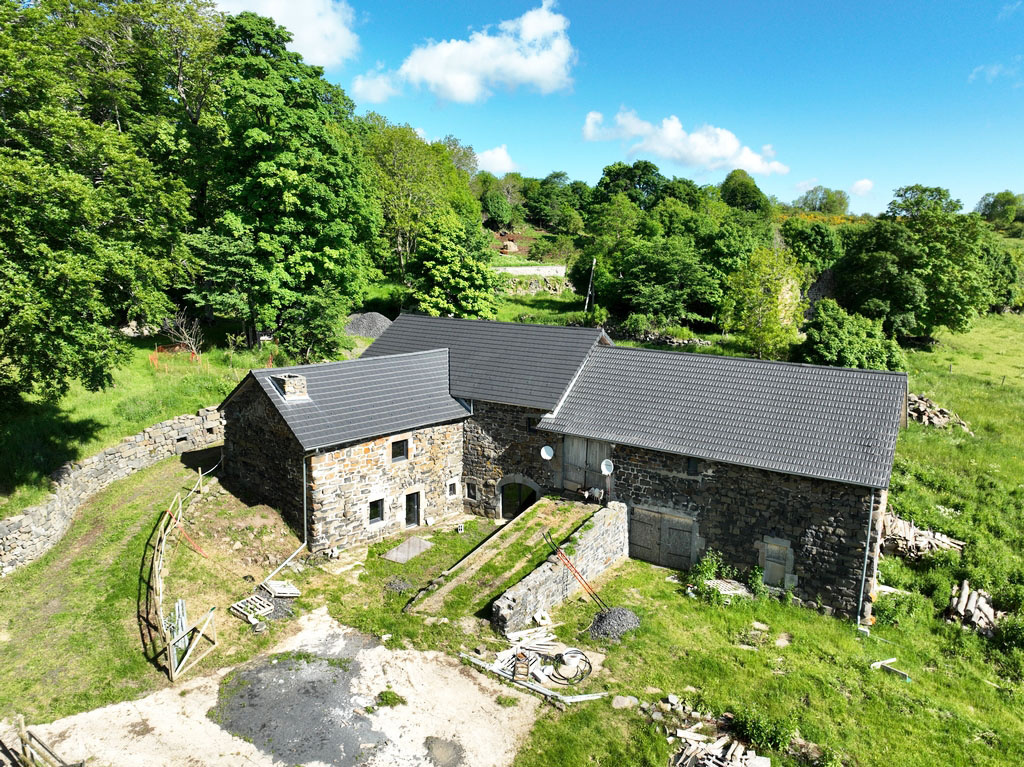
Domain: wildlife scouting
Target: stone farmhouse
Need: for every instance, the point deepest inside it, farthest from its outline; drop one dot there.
(778, 465)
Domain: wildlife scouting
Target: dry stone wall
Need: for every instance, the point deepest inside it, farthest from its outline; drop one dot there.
(600, 543)
(27, 536)
(344, 481)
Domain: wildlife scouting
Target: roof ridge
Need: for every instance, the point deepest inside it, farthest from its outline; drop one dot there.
(731, 359)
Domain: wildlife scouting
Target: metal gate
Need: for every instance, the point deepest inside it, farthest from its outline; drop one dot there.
(663, 538)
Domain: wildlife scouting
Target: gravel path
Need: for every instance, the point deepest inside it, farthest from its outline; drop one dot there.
(549, 270)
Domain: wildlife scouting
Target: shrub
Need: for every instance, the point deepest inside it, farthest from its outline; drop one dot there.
(637, 323)
(835, 337)
(755, 580)
(593, 319)
(764, 731)
(1009, 633)
(894, 609)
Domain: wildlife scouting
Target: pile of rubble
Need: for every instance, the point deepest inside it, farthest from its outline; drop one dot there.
(905, 539)
(702, 738)
(973, 608)
(923, 410)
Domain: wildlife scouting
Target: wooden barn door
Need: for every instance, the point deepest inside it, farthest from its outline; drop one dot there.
(597, 451)
(662, 539)
(574, 463)
(645, 535)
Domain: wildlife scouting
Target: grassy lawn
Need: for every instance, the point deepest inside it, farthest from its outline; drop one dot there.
(83, 596)
(542, 308)
(821, 682)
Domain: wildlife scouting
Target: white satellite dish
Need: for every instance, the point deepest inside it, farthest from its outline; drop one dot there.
(607, 467)
(547, 452)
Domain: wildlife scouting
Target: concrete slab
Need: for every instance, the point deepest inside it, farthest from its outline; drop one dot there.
(407, 549)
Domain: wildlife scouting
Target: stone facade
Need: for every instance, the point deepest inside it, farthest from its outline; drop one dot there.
(600, 543)
(27, 536)
(813, 530)
(345, 480)
(500, 446)
(262, 458)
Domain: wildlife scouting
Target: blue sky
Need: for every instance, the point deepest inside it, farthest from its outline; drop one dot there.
(866, 97)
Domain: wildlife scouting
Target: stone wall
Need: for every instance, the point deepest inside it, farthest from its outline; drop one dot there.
(29, 535)
(739, 511)
(262, 458)
(345, 480)
(499, 443)
(600, 543)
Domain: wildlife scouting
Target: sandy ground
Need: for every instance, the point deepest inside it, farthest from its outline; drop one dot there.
(548, 270)
(451, 718)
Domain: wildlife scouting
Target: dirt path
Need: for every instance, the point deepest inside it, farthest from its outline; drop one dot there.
(451, 717)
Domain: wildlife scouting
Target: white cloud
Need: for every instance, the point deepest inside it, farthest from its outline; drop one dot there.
(531, 50)
(862, 187)
(706, 147)
(374, 87)
(321, 29)
(496, 160)
(806, 184)
(1008, 10)
(421, 133)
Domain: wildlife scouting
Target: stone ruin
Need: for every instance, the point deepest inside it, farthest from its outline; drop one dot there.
(924, 411)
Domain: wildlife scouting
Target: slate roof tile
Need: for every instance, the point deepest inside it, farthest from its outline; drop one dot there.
(830, 423)
(507, 362)
(365, 398)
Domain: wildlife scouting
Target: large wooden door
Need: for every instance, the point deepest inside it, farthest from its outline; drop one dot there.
(644, 535)
(665, 539)
(597, 451)
(574, 463)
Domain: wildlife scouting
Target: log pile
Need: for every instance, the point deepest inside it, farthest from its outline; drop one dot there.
(905, 539)
(923, 410)
(973, 608)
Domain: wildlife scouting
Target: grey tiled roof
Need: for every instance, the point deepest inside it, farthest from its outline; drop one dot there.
(831, 423)
(362, 399)
(508, 362)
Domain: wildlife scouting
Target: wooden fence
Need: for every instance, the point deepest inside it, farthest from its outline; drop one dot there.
(183, 643)
(33, 752)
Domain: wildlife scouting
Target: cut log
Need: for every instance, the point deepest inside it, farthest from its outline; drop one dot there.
(961, 603)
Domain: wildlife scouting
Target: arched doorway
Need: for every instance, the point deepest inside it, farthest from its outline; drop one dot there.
(516, 493)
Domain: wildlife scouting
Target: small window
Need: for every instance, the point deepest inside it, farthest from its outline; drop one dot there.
(471, 491)
(692, 467)
(453, 487)
(531, 423)
(377, 510)
(399, 450)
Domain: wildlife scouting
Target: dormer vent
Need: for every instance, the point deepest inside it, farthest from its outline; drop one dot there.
(291, 385)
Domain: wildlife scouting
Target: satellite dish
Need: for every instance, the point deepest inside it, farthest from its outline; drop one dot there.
(547, 452)
(607, 467)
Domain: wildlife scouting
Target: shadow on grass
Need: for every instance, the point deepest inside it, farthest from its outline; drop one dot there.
(35, 440)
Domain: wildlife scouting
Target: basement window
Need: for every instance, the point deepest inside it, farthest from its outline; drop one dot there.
(399, 450)
(471, 492)
(377, 510)
(778, 563)
(453, 488)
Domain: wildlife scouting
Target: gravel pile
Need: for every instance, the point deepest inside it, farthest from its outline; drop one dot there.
(369, 325)
(613, 623)
(399, 585)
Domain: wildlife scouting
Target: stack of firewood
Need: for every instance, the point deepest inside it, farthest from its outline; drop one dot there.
(973, 608)
(907, 540)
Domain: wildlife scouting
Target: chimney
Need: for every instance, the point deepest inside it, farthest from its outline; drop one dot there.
(292, 386)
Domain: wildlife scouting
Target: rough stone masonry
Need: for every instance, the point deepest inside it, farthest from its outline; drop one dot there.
(600, 543)
(29, 535)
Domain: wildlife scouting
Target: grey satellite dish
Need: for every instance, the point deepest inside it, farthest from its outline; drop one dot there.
(607, 467)
(547, 452)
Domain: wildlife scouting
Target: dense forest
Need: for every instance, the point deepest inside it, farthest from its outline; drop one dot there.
(164, 157)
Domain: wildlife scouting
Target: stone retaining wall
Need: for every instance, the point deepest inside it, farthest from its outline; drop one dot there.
(600, 543)
(29, 535)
